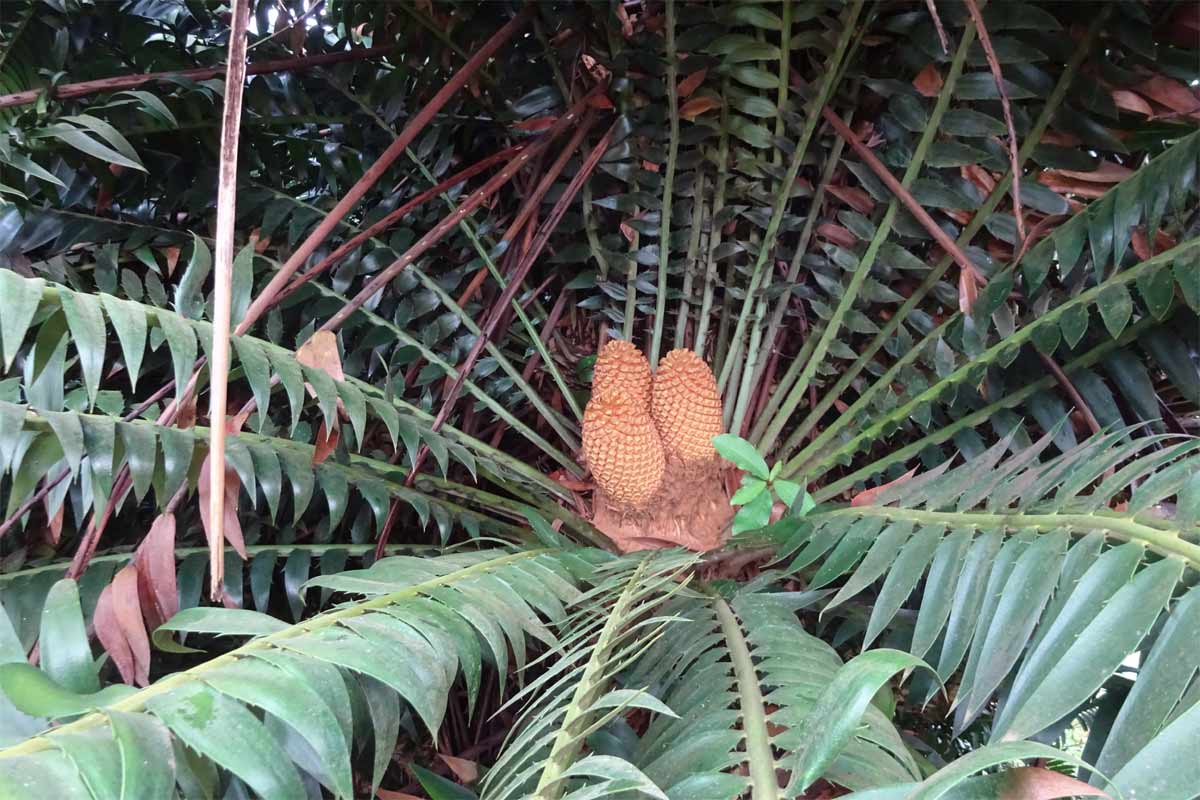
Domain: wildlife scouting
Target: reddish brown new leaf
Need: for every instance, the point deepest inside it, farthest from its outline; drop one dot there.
(172, 255)
(465, 770)
(321, 352)
(691, 83)
(1170, 93)
(837, 234)
(928, 81)
(1105, 172)
(1065, 185)
(697, 106)
(1142, 247)
(867, 497)
(155, 562)
(112, 639)
(1128, 101)
(54, 522)
(327, 441)
(119, 627)
(968, 290)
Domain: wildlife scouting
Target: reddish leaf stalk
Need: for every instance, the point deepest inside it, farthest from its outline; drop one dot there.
(510, 291)
(72, 90)
(474, 201)
(1072, 392)
(526, 217)
(395, 216)
(994, 65)
(884, 174)
(267, 296)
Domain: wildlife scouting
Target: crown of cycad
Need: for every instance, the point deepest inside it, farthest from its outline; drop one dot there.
(686, 406)
(622, 370)
(623, 450)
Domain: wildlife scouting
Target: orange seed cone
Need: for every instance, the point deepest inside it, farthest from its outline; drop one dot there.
(621, 369)
(623, 450)
(686, 407)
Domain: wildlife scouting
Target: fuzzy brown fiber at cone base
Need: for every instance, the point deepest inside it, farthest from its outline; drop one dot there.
(691, 509)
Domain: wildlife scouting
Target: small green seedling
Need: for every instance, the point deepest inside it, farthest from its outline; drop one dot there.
(760, 486)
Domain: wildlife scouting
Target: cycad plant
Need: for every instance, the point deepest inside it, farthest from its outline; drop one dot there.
(299, 315)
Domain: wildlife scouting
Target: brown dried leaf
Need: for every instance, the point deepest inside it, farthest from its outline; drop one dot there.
(466, 771)
(837, 234)
(155, 562)
(697, 106)
(120, 629)
(326, 443)
(1105, 172)
(1036, 783)
(1128, 101)
(867, 497)
(233, 526)
(928, 81)
(321, 352)
(1171, 93)
(691, 83)
(856, 198)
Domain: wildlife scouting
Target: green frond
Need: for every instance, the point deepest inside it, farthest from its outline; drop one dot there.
(57, 315)
(755, 695)
(1035, 590)
(162, 459)
(612, 626)
(417, 630)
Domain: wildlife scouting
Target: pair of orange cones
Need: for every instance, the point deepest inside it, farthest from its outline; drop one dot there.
(637, 422)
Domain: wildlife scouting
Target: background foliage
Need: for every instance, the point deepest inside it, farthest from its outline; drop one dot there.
(961, 312)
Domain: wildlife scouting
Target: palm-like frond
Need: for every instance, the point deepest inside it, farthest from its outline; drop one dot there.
(747, 680)
(1035, 591)
(420, 627)
(163, 460)
(613, 627)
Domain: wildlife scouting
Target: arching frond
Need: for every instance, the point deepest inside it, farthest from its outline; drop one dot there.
(418, 629)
